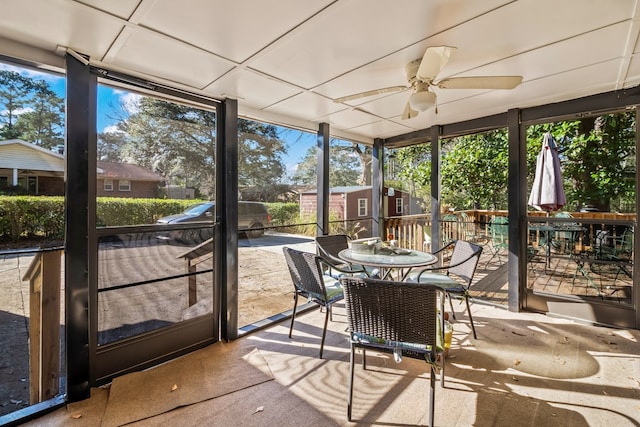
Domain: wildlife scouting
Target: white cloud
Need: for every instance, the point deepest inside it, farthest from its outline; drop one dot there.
(31, 73)
(130, 101)
(18, 111)
(111, 129)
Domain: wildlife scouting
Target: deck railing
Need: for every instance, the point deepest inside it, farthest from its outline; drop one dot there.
(414, 231)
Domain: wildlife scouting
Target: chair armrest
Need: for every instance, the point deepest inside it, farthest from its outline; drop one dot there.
(349, 270)
(330, 258)
(436, 268)
(450, 243)
(429, 270)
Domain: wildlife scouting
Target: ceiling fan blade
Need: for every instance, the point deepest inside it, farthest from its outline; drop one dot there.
(409, 113)
(481, 82)
(434, 59)
(371, 93)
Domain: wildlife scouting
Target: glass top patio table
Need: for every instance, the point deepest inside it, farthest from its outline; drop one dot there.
(406, 259)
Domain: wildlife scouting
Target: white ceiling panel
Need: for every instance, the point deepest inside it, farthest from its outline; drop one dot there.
(382, 129)
(309, 105)
(632, 75)
(348, 119)
(286, 60)
(333, 42)
(156, 55)
(247, 85)
(48, 23)
(121, 8)
(525, 25)
(205, 23)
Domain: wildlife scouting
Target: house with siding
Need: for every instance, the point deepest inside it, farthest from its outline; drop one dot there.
(41, 172)
(353, 202)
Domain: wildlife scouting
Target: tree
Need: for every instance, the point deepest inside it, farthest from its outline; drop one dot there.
(14, 96)
(30, 110)
(598, 159)
(111, 145)
(178, 142)
(260, 164)
(43, 124)
(409, 169)
(345, 166)
(474, 171)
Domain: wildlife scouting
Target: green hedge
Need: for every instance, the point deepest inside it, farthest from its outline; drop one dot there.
(29, 217)
(283, 213)
(119, 211)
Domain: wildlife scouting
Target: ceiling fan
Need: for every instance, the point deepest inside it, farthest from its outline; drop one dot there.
(421, 75)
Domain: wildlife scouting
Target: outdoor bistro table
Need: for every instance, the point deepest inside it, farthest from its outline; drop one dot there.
(549, 231)
(386, 261)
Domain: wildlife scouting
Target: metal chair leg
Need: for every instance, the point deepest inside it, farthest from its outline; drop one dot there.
(293, 314)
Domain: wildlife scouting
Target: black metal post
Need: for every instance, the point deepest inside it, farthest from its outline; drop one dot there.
(377, 186)
(322, 195)
(227, 214)
(517, 203)
(80, 198)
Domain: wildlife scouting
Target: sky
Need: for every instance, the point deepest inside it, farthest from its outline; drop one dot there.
(110, 99)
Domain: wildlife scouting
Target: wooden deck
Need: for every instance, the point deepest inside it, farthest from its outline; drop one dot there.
(566, 276)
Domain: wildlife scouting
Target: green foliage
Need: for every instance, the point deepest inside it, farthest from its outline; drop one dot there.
(409, 169)
(30, 217)
(121, 211)
(597, 155)
(23, 217)
(348, 165)
(30, 110)
(178, 142)
(474, 171)
(284, 213)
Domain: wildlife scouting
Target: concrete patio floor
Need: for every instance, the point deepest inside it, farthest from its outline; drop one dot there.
(523, 370)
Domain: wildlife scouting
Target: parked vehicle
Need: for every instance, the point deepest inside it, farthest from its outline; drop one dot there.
(253, 217)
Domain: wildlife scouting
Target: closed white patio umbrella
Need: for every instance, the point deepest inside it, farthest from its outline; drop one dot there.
(547, 193)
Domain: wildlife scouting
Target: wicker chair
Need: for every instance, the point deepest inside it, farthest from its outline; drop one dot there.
(394, 317)
(309, 282)
(458, 274)
(329, 247)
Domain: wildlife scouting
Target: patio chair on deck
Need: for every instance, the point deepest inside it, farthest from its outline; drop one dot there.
(565, 241)
(450, 225)
(457, 275)
(394, 317)
(309, 281)
(499, 233)
(329, 247)
(618, 250)
(471, 231)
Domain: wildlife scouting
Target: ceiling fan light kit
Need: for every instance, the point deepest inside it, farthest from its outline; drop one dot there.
(421, 75)
(422, 101)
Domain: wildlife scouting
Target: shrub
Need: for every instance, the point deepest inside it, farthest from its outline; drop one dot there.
(28, 217)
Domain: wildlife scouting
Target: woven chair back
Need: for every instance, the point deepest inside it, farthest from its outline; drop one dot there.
(467, 255)
(392, 311)
(305, 271)
(332, 244)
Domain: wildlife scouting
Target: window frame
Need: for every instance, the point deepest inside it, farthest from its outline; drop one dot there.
(362, 207)
(399, 205)
(108, 185)
(123, 188)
